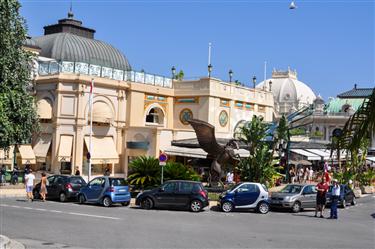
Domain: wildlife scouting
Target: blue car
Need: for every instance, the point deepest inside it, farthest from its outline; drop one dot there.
(245, 195)
(105, 190)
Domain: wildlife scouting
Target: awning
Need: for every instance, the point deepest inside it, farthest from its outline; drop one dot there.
(325, 154)
(65, 149)
(27, 154)
(300, 162)
(370, 158)
(309, 155)
(103, 150)
(42, 146)
(196, 152)
(6, 157)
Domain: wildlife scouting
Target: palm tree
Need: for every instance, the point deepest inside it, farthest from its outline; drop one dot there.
(145, 172)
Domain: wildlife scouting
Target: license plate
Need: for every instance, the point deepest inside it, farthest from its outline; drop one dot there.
(122, 190)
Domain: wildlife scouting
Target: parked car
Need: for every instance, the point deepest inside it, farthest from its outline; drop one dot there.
(106, 191)
(346, 196)
(245, 195)
(294, 197)
(62, 187)
(176, 194)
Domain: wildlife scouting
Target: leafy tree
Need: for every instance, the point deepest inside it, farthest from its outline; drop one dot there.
(178, 171)
(145, 172)
(18, 118)
(259, 166)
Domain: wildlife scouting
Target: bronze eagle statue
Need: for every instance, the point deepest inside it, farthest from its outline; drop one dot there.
(220, 154)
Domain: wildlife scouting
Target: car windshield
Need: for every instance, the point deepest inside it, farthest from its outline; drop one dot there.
(77, 180)
(291, 189)
(117, 182)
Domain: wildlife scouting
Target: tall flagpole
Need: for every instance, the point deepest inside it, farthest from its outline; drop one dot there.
(265, 75)
(209, 55)
(91, 107)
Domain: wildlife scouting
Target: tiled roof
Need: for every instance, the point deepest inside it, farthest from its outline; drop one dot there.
(336, 105)
(356, 93)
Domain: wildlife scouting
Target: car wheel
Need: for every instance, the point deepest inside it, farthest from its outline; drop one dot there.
(263, 208)
(296, 207)
(147, 203)
(354, 201)
(196, 206)
(107, 201)
(125, 204)
(62, 197)
(343, 204)
(81, 199)
(227, 207)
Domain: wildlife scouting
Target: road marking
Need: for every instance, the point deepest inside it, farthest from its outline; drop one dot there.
(61, 212)
(96, 216)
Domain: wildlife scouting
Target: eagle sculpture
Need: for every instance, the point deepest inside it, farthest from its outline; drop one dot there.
(220, 154)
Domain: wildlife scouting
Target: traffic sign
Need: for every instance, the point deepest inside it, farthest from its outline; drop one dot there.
(163, 157)
(162, 163)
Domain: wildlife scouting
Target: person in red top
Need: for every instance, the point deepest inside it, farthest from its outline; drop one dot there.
(322, 189)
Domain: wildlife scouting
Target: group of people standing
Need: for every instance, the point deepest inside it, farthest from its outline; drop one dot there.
(303, 175)
(29, 184)
(322, 189)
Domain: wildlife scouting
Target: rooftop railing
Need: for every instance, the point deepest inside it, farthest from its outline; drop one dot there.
(54, 67)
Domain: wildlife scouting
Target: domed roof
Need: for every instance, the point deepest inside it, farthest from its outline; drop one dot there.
(71, 47)
(287, 89)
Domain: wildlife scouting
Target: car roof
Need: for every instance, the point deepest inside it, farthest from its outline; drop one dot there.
(189, 181)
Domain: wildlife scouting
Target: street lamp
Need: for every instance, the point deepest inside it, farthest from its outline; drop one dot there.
(209, 67)
(173, 72)
(230, 75)
(270, 85)
(254, 80)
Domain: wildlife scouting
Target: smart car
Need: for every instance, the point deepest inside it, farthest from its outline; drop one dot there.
(106, 191)
(245, 195)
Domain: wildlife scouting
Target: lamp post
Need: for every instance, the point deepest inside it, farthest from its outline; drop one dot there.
(270, 85)
(254, 81)
(230, 75)
(173, 69)
(209, 67)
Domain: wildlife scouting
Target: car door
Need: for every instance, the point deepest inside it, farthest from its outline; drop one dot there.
(56, 187)
(50, 182)
(165, 197)
(95, 188)
(182, 197)
(308, 198)
(246, 194)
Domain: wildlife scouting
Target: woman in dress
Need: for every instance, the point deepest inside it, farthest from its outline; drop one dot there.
(43, 187)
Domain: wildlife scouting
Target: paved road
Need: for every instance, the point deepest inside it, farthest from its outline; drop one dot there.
(69, 225)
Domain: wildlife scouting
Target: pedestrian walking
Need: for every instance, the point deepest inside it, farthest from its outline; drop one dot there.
(2, 173)
(77, 173)
(335, 195)
(107, 172)
(29, 182)
(14, 178)
(305, 175)
(292, 175)
(322, 189)
(311, 174)
(300, 175)
(43, 186)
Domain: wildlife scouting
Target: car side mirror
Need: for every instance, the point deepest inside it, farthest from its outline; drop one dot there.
(161, 190)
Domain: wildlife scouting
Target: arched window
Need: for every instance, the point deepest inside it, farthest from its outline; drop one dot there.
(155, 116)
(238, 129)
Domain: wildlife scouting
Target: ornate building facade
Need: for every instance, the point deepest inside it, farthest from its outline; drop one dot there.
(134, 113)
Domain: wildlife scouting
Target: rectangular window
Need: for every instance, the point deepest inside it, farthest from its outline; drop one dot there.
(224, 102)
(239, 104)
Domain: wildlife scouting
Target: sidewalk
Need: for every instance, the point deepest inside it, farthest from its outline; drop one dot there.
(6, 243)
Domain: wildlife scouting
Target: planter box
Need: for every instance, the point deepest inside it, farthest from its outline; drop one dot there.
(367, 189)
(357, 192)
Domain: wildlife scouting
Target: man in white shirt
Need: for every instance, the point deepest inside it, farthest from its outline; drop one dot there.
(335, 196)
(29, 182)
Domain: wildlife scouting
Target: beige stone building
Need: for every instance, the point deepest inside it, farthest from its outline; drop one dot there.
(134, 113)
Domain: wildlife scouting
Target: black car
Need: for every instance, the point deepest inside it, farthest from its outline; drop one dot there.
(346, 196)
(61, 187)
(176, 194)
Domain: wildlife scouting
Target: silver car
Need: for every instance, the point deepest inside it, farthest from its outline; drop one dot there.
(294, 197)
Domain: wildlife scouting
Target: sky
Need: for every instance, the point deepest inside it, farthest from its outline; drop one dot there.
(329, 42)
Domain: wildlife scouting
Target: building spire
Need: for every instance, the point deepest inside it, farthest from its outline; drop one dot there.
(70, 13)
